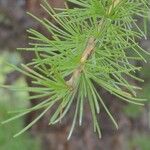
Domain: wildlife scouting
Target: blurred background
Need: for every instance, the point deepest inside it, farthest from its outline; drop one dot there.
(134, 121)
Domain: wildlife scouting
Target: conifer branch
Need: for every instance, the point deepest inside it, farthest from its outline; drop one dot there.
(91, 44)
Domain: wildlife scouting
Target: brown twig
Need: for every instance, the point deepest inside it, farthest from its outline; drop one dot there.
(86, 54)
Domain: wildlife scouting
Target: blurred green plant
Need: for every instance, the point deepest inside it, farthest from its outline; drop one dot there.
(7, 142)
(140, 142)
(8, 101)
(133, 111)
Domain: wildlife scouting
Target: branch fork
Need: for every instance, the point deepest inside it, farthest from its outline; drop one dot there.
(86, 54)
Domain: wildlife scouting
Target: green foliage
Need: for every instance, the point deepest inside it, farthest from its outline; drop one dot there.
(92, 44)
